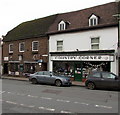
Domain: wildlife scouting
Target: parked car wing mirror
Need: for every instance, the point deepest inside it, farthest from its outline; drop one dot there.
(50, 74)
(116, 78)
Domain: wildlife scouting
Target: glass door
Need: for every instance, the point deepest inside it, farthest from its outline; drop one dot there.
(78, 71)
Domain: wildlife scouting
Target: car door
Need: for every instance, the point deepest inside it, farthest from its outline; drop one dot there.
(96, 78)
(108, 80)
(48, 78)
(40, 77)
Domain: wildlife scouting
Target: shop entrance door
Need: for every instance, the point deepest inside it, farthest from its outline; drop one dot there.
(5, 68)
(78, 71)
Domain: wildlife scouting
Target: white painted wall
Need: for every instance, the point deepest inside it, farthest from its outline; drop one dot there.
(82, 41)
(0, 57)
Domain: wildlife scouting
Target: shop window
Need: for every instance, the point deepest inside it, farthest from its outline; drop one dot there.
(14, 67)
(93, 20)
(35, 45)
(10, 48)
(21, 47)
(59, 45)
(95, 43)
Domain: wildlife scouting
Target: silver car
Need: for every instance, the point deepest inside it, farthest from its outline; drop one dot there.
(49, 78)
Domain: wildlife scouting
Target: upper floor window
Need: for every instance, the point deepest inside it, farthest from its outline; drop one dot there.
(35, 45)
(10, 48)
(60, 45)
(93, 20)
(95, 43)
(21, 47)
(62, 25)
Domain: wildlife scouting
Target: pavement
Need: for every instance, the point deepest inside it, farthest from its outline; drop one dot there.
(74, 83)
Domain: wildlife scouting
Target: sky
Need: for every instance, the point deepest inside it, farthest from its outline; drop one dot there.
(14, 12)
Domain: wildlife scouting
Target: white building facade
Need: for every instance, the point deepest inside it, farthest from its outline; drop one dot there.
(77, 53)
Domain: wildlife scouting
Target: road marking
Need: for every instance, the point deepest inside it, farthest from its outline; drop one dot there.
(31, 106)
(20, 94)
(65, 112)
(2, 92)
(32, 96)
(63, 100)
(1, 100)
(44, 108)
(11, 92)
(46, 98)
(11, 102)
(108, 107)
(81, 103)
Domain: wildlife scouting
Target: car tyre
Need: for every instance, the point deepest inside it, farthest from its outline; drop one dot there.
(34, 81)
(91, 85)
(58, 83)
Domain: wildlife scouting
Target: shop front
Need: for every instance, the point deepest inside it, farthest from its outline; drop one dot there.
(77, 65)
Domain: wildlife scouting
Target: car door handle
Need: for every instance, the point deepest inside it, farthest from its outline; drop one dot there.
(102, 79)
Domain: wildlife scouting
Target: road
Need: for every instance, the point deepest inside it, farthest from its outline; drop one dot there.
(24, 97)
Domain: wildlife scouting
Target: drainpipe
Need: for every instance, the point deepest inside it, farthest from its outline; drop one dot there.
(117, 16)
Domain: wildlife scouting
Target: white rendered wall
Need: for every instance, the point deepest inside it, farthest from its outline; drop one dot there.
(82, 42)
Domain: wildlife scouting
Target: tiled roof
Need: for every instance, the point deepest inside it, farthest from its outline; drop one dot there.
(79, 19)
(30, 29)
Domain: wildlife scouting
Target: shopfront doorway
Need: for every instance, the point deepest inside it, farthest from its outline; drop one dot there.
(78, 72)
(5, 70)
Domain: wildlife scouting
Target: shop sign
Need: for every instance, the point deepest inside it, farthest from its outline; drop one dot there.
(6, 58)
(83, 58)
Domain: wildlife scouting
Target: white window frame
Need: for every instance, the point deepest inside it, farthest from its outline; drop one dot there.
(97, 43)
(62, 25)
(10, 51)
(33, 44)
(59, 46)
(20, 47)
(94, 20)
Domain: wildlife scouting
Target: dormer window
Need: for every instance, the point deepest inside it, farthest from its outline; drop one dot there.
(93, 20)
(62, 25)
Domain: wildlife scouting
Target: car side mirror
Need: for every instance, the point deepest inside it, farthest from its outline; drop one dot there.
(50, 74)
(116, 78)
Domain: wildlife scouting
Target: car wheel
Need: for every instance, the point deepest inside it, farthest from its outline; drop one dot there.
(34, 81)
(91, 85)
(58, 83)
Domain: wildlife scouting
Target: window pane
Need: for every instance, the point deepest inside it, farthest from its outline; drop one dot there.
(59, 48)
(96, 46)
(96, 75)
(11, 47)
(59, 42)
(22, 46)
(94, 40)
(59, 45)
(35, 45)
(91, 22)
(108, 75)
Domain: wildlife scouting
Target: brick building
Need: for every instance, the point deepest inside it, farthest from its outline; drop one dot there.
(25, 48)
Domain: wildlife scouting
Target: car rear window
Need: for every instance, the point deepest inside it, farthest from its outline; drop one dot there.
(108, 75)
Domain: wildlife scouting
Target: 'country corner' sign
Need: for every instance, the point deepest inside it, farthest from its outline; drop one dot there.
(83, 58)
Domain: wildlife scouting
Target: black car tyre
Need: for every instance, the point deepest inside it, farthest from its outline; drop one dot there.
(91, 85)
(58, 83)
(34, 81)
